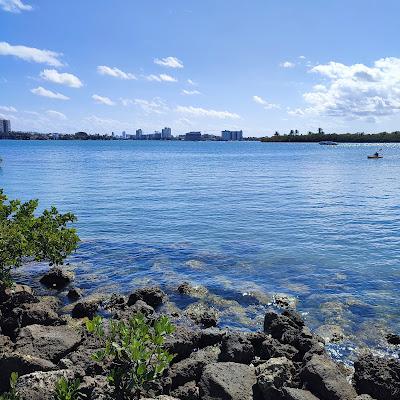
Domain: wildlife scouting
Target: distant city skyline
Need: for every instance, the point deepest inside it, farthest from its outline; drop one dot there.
(200, 66)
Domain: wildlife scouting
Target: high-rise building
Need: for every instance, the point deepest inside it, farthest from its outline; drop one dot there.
(166, 133)
(139, 134)
(5, 126)
(232, 135)
(193, 136)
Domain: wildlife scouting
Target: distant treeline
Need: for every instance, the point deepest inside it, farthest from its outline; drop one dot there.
(382, 137)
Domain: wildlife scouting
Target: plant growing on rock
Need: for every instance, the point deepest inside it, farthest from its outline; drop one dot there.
(136, 351)
(25, 236)
(12, 394)
(68, 390)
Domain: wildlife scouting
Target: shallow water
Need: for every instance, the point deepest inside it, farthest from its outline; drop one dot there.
(318, 222)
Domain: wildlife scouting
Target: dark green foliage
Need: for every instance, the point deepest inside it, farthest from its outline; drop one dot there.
(12, 394)
(25, 236)
(68, 390)
(136, 351)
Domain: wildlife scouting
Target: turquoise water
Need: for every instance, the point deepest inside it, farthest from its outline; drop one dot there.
(319, 223)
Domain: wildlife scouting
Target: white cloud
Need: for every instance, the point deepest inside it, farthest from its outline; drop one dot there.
(287, 64)
(356, 91)
(40, 91)
(171, 62)
(56, 114)
(156, 106)
(191, 82)
(161, 78)
(264, 103)
(8, 109)
(202, 112)
(66, 79)
(14, 6)
(103, 100)
(115, 72)
(190, 92)
(302, 57)
(31, 54)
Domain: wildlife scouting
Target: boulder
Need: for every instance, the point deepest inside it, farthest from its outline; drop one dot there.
(227, 381)
(325, 379)
(40, 385)
(57, 278)
(191, 368)
(85, 309)
(11, 298)
(392, 338)
(48, 342)
(277, 324)
(22, 364)
(273, 375)
(153, 296)
(211, 336)
(236, 348)
(297, 394)
(74, 294)
(182, 342)
(202, 314)
(272, 348)
(378, 377)
(189, 391)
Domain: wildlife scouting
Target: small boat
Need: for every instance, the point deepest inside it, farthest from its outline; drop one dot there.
(374, 156)
(327, 143)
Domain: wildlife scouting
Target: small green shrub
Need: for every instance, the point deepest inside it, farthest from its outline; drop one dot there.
(23, 235)
(136, 351)
(12, 394)
(68, 390)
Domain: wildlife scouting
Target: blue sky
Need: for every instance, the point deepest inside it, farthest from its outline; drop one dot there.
(260, 66)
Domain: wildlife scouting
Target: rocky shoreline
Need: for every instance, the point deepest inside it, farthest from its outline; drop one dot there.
(285, 361)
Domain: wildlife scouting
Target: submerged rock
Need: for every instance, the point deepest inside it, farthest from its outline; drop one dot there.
(153, 296)
(285, 301)
(74, 294)
(57, 278)
(378, 377)
(192, 290)
(227, 381)
(392, 338)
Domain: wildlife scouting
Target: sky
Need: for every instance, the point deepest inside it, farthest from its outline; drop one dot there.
(258, 65)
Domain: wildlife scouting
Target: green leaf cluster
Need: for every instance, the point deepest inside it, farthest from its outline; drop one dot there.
(25, 236)
(68, 390)
(12, 394)
(135, 349)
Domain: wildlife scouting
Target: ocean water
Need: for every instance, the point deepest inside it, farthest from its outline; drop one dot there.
(246, 220)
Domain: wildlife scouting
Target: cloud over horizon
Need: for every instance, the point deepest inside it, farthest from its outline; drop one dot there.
(202, 112)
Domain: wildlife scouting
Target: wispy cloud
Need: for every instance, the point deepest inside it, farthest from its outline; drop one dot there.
(66, 79)
(191, 82)
(156, 106)
(170, 62)
(40, 91)
(287, 64)
(8, 109)
(190, 92)
(161, 78)
(103, 100)
(14, 6)
(115, 72)
(56, 114)
(31, 54)
(264, 103)
(202, 112)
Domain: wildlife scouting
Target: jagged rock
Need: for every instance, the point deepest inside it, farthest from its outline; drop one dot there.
(278, 324)
(297, 394)
(192, 367)
(74, 294)
(272, 348)
(153, 296)
(285, 301)
(5, 344)
(236, 348)
(22, 364)
(182, 342)
(40, 385)
(325, 379)
(273, 375)
(189, 391)
(364, 397)
(85, 309)
(227, 381)
(378, 377)
(49, 342)
(211, 336)
(11, 298)
(57, 278)
(202, 314)
(161, 397)
(95, 387)
(139, 307)
(392, 338)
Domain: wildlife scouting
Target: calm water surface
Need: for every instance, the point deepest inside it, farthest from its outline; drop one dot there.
(243, 219)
